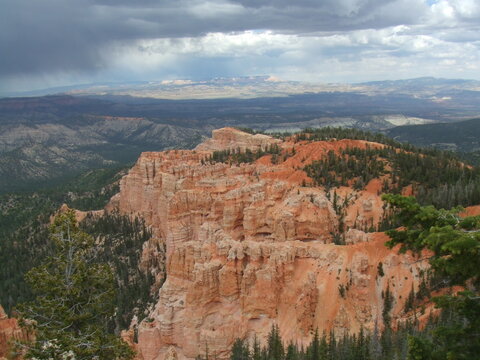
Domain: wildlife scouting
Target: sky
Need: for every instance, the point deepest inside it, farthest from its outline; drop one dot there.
(46, 43)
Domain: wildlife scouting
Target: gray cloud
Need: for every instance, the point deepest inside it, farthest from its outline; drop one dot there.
(86, 37)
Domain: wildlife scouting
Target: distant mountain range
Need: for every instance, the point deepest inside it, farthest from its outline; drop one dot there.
(425, 83)
(258, 86)
(44, 139)
(238, 87)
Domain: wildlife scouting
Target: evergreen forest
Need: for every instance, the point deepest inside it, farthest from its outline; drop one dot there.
(24, 239)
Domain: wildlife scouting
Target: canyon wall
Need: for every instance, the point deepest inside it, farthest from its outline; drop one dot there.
(251, 245)
(10, 331)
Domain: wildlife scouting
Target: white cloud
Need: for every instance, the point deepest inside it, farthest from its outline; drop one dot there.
(433, 47)
(334, 40)
(211, 10)
(469, 9)
(359, 55)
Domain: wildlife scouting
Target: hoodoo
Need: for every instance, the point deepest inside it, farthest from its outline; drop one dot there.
(252, 241)
(9, 331)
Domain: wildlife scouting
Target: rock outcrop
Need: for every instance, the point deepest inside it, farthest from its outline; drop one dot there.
(9, 332)
(250, 245)
(79, 214)
(231, 138)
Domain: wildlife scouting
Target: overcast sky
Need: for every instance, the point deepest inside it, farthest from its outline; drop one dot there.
(46, 43)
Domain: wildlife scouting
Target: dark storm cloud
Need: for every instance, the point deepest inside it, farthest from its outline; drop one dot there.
(56, 42)
(70, 35)
(45, 35)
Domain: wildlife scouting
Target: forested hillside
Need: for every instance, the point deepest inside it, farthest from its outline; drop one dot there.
(52, 139)
(49, 139)
(462, 136)
(437, 177)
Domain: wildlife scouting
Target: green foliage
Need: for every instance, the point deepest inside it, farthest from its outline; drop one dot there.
(337, 170)
(316, 349)
(73, 300)
(387, 306)
(329, 133)
(275, 349)
(248, 156)
(291, 353)
(410, 302)
(121, 240)
(338, 238)
(423, 290)
(23, 231)
(380, 271)
(462, 135)
(454, 245)
(365, 345)
(23, 242)
(256, 353)
(240, 350)
(438, 178)
(91, 190)
(419, 348)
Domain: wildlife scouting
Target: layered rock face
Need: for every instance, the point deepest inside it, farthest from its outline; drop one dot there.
(9, 332)
(250, 245)
(231, 138)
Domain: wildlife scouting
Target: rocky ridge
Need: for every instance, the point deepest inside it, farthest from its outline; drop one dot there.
(250, 245)
(9, 331)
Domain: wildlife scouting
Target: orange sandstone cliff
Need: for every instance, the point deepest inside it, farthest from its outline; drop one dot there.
(250, 245)
(10, 331)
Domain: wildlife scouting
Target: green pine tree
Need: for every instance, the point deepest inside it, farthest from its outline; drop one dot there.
(240, 350)
(314, 348)
(292, 352)
(74, 301)
(274, 344)
(256, 349)
(454, 244)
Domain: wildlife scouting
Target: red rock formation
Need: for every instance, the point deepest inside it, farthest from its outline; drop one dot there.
(471, 211)
(9, 332)
(231, 138)
(248, 246)
(79, 214)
